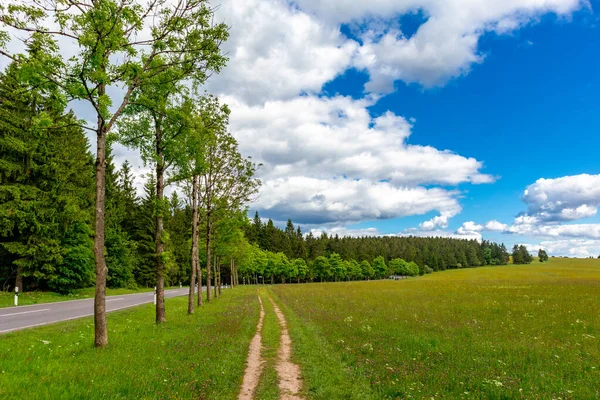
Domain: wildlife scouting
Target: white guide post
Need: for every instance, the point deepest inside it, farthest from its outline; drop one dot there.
(16, 295)
(154, 295)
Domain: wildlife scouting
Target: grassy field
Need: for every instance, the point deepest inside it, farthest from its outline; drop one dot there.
(200, 356)
(28, 298)
(530, 332)
(513, 332)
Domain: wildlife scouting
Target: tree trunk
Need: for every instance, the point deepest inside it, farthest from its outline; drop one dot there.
(194, 256)
(219, 275)
(160, 265)
(208, 257)
(19, 279)
(215, 261)
(199, 274)
(100, 331)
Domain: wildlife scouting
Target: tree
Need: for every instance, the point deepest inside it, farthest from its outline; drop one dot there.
(322, 268)
(367, 270)
(521, 255)
(301, 267)
(115, 50)
(543, 256)
(155, 122)
(379, 266)
(227, 182)
(337, 265)
(45, 186)
(120, 249)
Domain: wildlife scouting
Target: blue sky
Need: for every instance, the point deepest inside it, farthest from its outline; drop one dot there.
(472, 119)
(529, 111)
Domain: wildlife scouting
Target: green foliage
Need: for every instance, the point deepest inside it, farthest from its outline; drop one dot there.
(379, 267)
(321, 268)
(76, 270)
(543, 256)
(337, 266)
(521, 255)
(45, 188)
(398, 266)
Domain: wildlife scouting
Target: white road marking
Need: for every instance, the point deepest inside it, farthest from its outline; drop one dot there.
(120, 298)
(24, 312)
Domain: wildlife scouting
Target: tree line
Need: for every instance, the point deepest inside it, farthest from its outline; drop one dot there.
(280, 255)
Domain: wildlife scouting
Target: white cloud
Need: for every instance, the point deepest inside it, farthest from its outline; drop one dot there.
(563, 199)
(346, 232)
(310, 144)
(469, 228)
(278, 52)
(324, 201)
(496, 226)
(336, 137)
(572, 247)
(439, 221)
(443, 47)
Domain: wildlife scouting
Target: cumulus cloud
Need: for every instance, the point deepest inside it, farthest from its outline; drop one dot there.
(324, 201)
(443, 47)
(496, 226)
(337, 137)
(328, 159)
(278, 52)
(469, 228)
(552, 206)
(567, 198)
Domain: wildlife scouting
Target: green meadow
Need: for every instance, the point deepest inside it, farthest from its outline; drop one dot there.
(510, 332)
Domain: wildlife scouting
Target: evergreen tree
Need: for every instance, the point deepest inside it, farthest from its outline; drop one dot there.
(145, 271)
(45, 189)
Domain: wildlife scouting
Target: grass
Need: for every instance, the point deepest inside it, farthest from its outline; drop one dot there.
(514, 332)
(487, 333)
(200, 356)
(325, 374)
(28, 298)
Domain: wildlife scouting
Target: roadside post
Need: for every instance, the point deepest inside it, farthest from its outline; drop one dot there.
(180, 285)
(154, 295)
(16, 295)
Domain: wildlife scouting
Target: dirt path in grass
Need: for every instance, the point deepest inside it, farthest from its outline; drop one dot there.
(290, 379)
(254, 361)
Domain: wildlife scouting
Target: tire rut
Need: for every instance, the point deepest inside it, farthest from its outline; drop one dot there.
(290, 377)
(254, 362)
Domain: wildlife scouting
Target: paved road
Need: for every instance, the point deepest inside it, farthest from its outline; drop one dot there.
(21, 317)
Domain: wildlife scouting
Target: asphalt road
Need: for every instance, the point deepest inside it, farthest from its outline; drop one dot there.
(21, 317)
